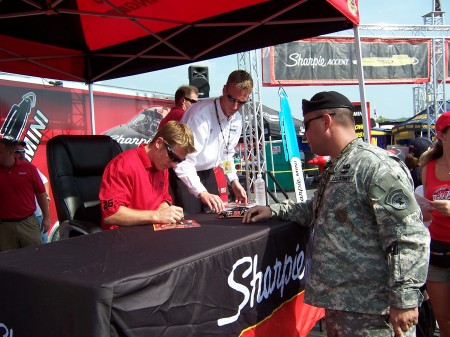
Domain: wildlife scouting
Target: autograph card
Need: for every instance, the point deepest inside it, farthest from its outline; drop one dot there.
(179, 224)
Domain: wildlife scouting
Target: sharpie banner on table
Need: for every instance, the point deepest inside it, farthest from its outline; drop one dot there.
(223, 278)
(333, 61)
(229, 293)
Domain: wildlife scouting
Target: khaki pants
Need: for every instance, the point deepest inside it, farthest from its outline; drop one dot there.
(14, 235)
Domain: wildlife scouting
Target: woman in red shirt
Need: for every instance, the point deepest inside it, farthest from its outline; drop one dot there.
(436, 181)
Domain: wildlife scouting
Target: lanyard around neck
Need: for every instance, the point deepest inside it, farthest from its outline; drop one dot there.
(220, 125)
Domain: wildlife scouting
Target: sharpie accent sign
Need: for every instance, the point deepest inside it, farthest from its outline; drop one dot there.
(333, 61)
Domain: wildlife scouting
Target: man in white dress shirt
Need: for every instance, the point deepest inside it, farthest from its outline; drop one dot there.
(217, 125)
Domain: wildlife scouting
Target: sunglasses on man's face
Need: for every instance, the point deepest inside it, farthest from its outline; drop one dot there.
(172, 155)
(234, 100)
(19, 151)
(191, 100)
(306, 123)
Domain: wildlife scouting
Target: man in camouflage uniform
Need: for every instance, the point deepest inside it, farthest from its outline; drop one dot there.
(370, 251)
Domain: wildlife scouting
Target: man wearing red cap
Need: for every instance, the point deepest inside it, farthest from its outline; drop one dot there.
(370, 253)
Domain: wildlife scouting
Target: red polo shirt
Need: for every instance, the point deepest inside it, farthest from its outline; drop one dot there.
(132, 181)
(18, 187)
(175, 114)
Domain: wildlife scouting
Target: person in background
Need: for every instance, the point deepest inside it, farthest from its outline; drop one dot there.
(436, 182)
(217, 125)
(185, 96)
(19, 153)
(370, 248)
(134, 187)
(418, 146)
(20, 184)
(427, 321)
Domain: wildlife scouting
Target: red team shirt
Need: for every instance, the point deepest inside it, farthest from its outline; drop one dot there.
(18, 186)
(437, 190)
(131, 180)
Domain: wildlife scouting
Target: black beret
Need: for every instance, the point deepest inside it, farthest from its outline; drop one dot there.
(326, 100)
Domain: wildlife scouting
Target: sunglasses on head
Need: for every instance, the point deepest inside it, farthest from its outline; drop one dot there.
(234, 100)
(191, 100)
(19, 151)
(173, 157)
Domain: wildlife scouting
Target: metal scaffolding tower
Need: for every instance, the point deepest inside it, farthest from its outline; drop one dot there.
(253, 123)
(435, 89)
(431, 95)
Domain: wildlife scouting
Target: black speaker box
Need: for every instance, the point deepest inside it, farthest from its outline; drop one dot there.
(198, 77)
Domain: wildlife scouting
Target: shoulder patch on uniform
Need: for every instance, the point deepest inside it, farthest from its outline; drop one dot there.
(398, 199)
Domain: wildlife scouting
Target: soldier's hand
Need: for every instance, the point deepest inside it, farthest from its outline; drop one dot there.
(403, 319)
(257, 213)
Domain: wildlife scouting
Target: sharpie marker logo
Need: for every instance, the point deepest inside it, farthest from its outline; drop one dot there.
(130, 140)
(261, 284)
(298, 178)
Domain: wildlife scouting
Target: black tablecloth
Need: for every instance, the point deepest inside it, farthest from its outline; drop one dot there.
(214, 280)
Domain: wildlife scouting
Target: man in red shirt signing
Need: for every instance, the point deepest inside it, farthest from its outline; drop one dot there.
(134, 188)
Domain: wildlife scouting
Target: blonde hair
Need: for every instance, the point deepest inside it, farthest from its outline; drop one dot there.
(175, 133)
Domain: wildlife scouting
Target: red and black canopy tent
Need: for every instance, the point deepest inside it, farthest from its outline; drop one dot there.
(92, 40)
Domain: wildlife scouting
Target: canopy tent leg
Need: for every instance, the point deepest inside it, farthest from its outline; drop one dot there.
(362, 93)
(91, 102)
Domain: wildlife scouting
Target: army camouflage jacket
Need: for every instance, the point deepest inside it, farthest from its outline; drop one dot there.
(370, 248)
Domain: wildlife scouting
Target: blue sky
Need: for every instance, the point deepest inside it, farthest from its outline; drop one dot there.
(390, 101)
